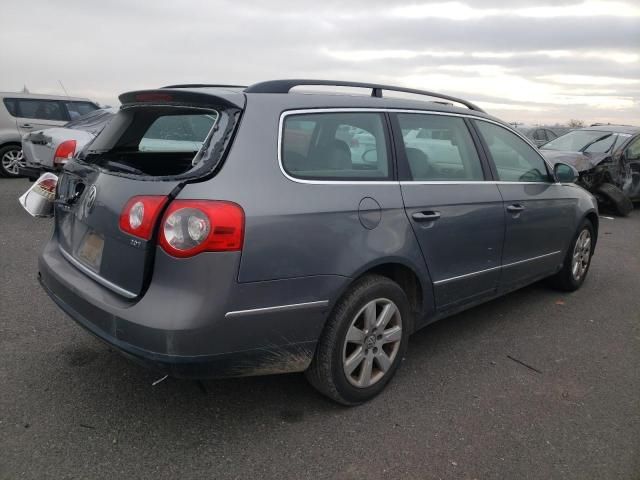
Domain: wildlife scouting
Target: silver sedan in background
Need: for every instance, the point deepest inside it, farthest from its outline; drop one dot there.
(49, 149)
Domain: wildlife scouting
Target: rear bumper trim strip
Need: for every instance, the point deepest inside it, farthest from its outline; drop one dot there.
(94, 276)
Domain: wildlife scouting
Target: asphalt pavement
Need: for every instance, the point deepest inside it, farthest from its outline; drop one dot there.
(536, 385)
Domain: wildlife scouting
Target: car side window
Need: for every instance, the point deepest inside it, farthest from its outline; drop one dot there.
(439, 148)
(633, 150)
(12, 106)
(335, 146)
(515, 159)
(79, 109)
(539, 135)
(41, 109)
(551, 135)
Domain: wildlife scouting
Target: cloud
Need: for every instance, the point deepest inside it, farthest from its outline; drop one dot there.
(520, 57)
(462, 11)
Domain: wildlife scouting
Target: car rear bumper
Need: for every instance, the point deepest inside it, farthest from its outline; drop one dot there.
(260, 361)
(240, 335)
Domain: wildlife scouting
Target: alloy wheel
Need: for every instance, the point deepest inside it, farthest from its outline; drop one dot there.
(12, 160)
(372, 342)
(581, 255)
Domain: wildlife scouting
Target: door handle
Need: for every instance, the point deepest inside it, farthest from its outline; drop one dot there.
(26, 125)
(428, 216)
(515, 208)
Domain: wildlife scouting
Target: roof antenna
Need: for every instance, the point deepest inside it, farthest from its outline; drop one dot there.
(65, 90)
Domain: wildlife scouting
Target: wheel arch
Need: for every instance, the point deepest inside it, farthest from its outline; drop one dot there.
(592, 216)
(11, 142)
(413, 280)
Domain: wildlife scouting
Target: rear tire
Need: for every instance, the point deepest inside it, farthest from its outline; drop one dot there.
(577, 261)
(363, 342)
(616, 198)
(10, 159)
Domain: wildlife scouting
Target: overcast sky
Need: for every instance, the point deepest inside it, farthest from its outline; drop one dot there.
(522, 60)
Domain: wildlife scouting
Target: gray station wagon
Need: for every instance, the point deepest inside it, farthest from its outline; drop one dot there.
(214, 231)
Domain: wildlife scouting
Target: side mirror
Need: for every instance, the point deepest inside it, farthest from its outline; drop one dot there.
(565, 173)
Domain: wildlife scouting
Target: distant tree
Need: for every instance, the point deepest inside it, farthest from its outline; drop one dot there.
(573, 123)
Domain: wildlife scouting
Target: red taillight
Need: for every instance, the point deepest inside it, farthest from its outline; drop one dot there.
(139, 215)
(65, 152)
(193, 226)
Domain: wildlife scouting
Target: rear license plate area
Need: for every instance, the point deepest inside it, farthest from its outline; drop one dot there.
(90, 251)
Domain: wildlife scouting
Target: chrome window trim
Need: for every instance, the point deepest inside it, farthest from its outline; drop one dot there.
(458, 277)
(306, 111)
(277, 308)
(94, 276)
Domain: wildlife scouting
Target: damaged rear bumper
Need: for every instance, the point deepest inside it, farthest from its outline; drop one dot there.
(259, 361)
(201, 341)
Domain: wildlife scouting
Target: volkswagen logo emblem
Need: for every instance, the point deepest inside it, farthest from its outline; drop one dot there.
(89, 201)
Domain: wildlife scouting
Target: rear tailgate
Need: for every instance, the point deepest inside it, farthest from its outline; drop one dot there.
(87, 219)
(125, 161)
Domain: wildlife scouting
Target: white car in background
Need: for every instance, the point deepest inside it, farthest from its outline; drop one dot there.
(23, 113)
(48, 150)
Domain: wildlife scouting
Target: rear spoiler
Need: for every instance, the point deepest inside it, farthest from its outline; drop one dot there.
(200, 97)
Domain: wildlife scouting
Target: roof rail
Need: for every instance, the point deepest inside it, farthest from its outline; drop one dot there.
(283, 86)
(202, 85)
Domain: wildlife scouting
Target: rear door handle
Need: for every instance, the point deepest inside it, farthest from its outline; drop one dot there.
(26, 125)
(515, 208)
(428, 216)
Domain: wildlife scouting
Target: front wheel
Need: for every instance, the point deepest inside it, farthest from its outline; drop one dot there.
(11, 158)
(577, 261)
(363, 342)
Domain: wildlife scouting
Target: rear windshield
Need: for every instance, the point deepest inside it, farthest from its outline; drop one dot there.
(160, 140)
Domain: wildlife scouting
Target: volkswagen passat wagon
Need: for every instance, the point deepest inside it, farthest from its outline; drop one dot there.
(214, 231)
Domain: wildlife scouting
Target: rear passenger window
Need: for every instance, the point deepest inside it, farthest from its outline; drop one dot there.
(335, 146)
(41, 110)
(515, 159)
(439, 148)
(539, 135)
(79, 109)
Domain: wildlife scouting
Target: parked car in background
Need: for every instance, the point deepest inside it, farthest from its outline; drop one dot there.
(278, 245)
(48, 150)
(541, 135)
(22, 113)
(608, 160)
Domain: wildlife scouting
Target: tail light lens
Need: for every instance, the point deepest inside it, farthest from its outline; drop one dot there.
(139, 215)
(65, 152)
(193, 226)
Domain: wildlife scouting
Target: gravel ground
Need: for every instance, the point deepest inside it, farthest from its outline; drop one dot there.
(461, 406)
